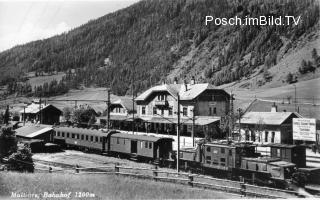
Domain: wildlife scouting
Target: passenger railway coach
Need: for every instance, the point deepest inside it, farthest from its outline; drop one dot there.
(113, 142)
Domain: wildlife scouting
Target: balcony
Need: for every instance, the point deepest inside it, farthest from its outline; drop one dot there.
(161, 103)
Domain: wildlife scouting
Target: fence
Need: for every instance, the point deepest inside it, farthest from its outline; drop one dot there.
(193, 180)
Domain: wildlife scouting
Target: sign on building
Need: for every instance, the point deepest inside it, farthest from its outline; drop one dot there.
(304, 129)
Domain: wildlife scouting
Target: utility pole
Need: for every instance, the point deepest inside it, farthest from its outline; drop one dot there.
(24, 115)
(178, 134)
(40, 117)
(132, 87)
(108, 110)
(295, 97)
(239, 110)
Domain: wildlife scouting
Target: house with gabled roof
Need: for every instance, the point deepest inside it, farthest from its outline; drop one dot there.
(38, 112)
(201, 106)
(121, 113)
(267, 127)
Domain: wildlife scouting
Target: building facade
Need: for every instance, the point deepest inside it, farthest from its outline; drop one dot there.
(267, 127)
(201, 108)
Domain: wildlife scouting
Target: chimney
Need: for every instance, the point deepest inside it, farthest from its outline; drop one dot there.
(175, 80)
(274, 108)
(185, 85)
(193, 81)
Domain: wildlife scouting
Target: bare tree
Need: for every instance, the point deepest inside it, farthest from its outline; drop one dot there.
(259, 127)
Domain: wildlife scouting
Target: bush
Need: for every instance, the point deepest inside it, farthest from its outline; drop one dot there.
(21, 160)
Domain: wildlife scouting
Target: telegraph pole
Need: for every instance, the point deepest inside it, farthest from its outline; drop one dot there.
(108, 110)
(239, 110)
(178, 134)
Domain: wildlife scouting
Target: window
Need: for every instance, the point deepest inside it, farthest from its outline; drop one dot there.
(101, 139)
(118, 141)
(230, 152)
(266, 136)
(162, 112)
(58, 134)
(143, 110)
(215, 161)
(185, 111)
(272, 137)
(150, 145)
(222, 150)
(257, 167)
(124, 141)
(78, 136)
(210, 111)
(91, 138)
(208, 149)
(222, 161)
(62, 134)
(154, 110)
(146, 145)
(82, 137)
(68, 135)
(72, 135)
(170, 111)
(87, 137)
(214, 110)
(97, 139)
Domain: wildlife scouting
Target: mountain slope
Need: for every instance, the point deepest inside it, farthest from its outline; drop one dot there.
(156, 40)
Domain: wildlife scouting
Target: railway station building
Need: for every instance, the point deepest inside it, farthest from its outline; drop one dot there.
(267, 127)
(201, 108)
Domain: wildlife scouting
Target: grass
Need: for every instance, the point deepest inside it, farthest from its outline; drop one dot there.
(102, 186)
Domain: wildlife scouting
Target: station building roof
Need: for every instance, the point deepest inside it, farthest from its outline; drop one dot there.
(32, 131)
(268, 118)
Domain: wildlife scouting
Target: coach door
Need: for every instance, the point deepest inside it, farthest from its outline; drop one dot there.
(134, 146)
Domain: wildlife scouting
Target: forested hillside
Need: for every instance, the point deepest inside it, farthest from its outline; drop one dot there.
(155, 40)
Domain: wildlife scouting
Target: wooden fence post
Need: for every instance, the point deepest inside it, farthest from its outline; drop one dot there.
(242, 186)
(116, 168)
(190, 182)
(155, 173)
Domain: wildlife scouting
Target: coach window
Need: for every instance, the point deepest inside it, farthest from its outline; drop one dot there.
(214, 110)
(118, 141)
(87, 137)
(72, 135)
(68, 135)
(62, 134)
(266, 136)
(150, 145)
(59, 134)
(91, 138)
(100, 139)
(78, 136)
(97, 139)
(146, 144)
(222, 150)
(82, 137)
(124, 141)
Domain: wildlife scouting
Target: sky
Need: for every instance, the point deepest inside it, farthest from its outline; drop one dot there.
(25, 21)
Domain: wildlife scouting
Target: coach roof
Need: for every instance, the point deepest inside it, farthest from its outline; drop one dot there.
(141, 137)
(82, 131)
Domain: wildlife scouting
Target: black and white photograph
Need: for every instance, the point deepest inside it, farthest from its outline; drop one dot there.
(159, 99)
